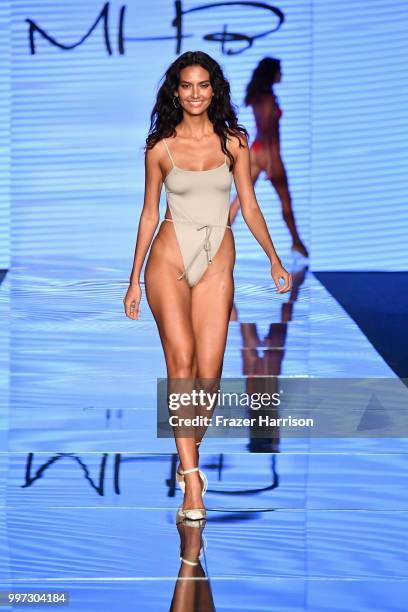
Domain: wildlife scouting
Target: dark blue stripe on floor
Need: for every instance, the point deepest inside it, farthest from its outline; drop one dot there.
(2, 275)
(378, 303)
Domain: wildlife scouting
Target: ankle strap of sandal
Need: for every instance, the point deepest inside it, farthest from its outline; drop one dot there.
(189, 562)
(190, 470)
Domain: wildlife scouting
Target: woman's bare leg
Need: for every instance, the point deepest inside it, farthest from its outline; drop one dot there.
(170, 303)
(193, 326)
(279, 181)
(212, 301)
(211, 308)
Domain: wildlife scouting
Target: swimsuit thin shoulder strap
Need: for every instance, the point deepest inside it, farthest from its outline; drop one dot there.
(167, 149)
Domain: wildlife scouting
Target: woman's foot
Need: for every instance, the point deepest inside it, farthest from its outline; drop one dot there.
(299, 247)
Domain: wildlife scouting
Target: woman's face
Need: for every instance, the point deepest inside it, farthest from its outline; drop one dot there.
(278, 76)
(194, 91)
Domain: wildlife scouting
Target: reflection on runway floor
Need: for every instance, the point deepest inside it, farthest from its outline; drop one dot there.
(88, 491)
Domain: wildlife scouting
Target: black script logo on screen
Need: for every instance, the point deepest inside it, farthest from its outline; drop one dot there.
(116, 39)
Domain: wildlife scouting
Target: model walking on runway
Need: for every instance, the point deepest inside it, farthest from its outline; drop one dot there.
(195, 147)
(265, 153)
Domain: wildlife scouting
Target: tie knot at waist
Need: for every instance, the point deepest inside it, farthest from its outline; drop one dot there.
(206, 245)
(210, 225)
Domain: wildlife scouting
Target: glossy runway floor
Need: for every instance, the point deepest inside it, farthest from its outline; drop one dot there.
(88, 490)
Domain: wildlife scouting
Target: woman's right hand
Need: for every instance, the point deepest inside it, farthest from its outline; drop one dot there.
(131, 301)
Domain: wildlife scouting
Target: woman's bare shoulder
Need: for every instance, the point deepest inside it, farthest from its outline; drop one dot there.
(154, 151)
(236, 141)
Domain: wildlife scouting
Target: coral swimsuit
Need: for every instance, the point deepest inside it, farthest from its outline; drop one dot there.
(199, 202)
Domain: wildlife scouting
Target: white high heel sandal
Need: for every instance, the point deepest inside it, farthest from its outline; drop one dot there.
(180, 478)
(193, 514)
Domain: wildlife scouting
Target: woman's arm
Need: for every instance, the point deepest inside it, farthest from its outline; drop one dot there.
(252, 214)
(148, 222)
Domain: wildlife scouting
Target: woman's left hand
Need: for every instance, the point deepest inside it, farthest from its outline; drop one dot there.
(278, 272)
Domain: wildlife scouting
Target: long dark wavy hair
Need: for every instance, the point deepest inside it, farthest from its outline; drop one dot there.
(262, 79)
(221, 112)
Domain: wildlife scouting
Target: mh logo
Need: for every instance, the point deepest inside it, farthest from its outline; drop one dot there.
(224, 37)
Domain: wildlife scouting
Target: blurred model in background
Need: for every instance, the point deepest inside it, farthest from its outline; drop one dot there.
(265, 154)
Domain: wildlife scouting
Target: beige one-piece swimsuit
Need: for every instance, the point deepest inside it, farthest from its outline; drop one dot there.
(199, 202)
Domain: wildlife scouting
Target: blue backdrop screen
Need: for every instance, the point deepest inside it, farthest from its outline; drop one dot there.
(80, 80)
